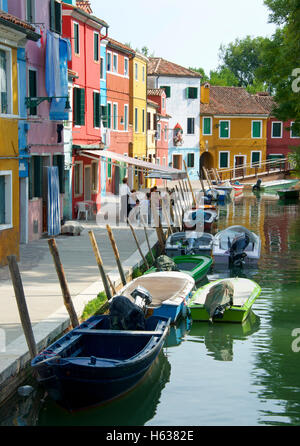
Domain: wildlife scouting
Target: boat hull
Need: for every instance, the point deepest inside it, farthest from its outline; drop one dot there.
(288, 194)
(274, 186)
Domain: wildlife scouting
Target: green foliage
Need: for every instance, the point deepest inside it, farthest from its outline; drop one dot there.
(294, 159)
(223, 77)
(94, 306)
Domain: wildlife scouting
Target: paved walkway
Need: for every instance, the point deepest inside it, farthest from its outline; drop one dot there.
(41, 286)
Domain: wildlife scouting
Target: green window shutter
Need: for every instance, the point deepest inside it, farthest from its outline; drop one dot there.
(191, 160)
(96, 98)
(79, 106)
(167, 91)
(294, 132)
(59, 161)
(2, 199)
(256, 129)
(104, 115)
(109, 168)
(82, 106)
(109, 116)
(224, 129)
(223, 159)
(96, 47)
(30, 179)
(255, 157)
(32, 90)
(55, 16)
(276, 129)
(192, 93)
(206, 126)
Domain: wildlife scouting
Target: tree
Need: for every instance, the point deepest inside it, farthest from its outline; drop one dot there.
(223, 77)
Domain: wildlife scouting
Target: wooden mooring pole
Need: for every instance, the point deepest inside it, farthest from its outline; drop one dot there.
(100, 265)
(117, 255)
(138, 245)
(22, 306)
(190, 184)
(63, 283)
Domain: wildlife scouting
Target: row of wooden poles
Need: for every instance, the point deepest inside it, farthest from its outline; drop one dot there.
(182, 202)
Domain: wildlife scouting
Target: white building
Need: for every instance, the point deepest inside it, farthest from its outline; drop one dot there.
(182, 87)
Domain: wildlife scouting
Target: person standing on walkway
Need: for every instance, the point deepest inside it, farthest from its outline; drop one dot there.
(125, 194)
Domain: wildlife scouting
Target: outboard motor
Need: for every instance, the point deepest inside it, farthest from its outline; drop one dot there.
(142, 297)
(256, 187)
(237, 250)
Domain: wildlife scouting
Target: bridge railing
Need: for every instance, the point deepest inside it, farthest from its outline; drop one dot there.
(250, 170)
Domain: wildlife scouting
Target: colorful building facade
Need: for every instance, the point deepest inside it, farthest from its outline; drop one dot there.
(182, 87)
(233, 130)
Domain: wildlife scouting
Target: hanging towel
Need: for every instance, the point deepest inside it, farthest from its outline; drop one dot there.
(54, 227)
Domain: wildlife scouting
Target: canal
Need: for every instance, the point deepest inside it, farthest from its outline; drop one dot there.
(220, 374)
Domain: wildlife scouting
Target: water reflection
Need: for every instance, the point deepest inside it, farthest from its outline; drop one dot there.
(178, 332)
(133, 409)
(219, 338)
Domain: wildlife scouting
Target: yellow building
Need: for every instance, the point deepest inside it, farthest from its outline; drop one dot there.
(233, 131)
(13, 35)
(138, 112)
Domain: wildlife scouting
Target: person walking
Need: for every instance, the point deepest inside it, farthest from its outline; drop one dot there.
(125, 194)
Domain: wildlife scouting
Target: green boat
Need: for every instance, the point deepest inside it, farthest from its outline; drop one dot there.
(195, 266)
(288, 194)
(274, 186)
(203, 303)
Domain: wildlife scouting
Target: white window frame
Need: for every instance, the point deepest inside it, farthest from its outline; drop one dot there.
(115, 57)
(37, 87)
(33, 10)
(194, 125)
(260, 157)
(97, 176)
(136, 119)
(8, 200)
(80, 163)
(102, 71)
(166, 132)
(210, 119)
(252, 122)
(126, 62)
(9, 82)
(244, 163)
(293, 137)
(228, 165)
(109, 56)
(281, 127)
(126, 107)
(77, 24)
(187, 155)
(111, 113)
(115, 116)
(229, 129)
(96, 60)
(158, 130)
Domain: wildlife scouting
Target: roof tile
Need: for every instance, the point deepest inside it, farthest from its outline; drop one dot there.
(158, 65)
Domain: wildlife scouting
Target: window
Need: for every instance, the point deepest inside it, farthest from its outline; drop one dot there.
(223, 159)
(32, 90)
(109, 168)
(96, 47)
(5, 199)
(115, 63)
(76, 38)
(158, 132)
(30, 11)
(166, 132)
(192, 93)
(55, 16)
(136, 127)
(101, 68)
(143, 74)
(143, 121)
(294, 133)
(190, 160)
(96, 101)
(79, 106)
(136, 71)
(35, 176)
(255, 159)
(126, 117)
(94, 176)
(78, 174)
(126, 66)
(108, 61)
(59, 161)
(190, 126)
(224, 129)
(163, 102)
(256, 129)
(5, 82)
(276, 130)
(148, 121)
(167, 91)
(115, 116)
(158, 161)
(206, 126)
(164, 161)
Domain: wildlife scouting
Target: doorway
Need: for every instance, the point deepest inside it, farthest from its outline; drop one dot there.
(177, 162)
(239, 162)
(87, 183)
(207, 161)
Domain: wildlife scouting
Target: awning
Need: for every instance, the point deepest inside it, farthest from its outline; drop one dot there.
(170, 172)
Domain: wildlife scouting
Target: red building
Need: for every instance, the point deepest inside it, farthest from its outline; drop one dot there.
(158, 96)
(280, 136)
(118, 101)
(85, 32)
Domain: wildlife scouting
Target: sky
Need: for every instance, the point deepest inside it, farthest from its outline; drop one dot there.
(188, 32)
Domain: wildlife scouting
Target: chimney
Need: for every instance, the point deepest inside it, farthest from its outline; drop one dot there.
(205, 93)
(84, 5)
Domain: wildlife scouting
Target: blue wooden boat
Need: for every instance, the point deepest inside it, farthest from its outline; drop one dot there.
(170, 292)
(93, 363)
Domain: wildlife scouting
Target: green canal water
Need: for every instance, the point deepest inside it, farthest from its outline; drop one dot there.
(220, 374)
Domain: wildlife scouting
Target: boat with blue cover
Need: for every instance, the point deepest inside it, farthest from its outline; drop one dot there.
(94, 363)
